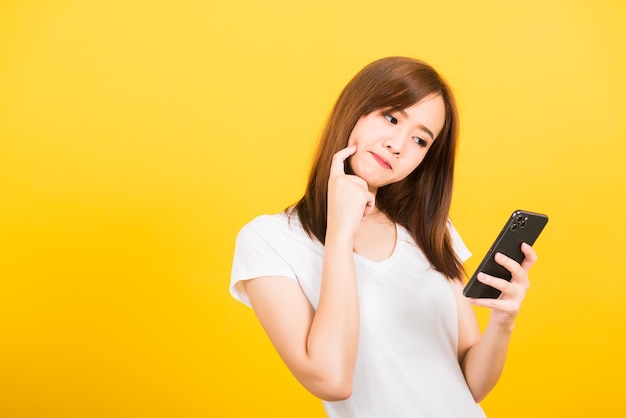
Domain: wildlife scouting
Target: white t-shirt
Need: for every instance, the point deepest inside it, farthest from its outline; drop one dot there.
(407, 364)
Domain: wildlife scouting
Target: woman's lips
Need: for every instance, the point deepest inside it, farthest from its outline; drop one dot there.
(380, 160)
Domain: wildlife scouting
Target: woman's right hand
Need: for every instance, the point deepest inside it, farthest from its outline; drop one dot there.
(320, 345)
(349, 199)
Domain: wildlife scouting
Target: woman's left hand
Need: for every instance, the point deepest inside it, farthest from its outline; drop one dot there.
(506, 307)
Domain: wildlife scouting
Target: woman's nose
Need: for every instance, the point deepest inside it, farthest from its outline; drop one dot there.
(394, 144)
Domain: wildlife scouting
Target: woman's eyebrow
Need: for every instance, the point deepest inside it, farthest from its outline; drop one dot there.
(419, 126)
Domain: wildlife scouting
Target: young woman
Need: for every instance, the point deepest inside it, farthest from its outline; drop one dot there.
(359, 284)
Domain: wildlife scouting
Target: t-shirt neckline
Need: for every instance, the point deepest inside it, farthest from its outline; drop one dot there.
(386, 262)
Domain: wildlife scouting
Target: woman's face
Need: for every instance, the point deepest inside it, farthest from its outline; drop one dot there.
(391, 144)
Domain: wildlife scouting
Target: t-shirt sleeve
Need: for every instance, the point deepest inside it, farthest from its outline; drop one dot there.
(459, 246)
(259, 252)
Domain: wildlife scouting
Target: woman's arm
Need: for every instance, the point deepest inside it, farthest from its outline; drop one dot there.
(482, 358)
(320, 347)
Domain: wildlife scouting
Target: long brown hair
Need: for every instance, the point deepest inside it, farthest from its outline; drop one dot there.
(420, 202)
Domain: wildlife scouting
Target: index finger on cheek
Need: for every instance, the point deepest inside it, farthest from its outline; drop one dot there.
(336, 167)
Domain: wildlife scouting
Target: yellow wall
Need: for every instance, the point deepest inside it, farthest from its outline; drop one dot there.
(138, 136)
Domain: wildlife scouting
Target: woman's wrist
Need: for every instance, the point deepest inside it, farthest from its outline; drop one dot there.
(503, 326)
(339, 237)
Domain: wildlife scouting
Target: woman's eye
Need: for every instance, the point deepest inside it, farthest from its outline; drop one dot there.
(419, 141)
(391, 119)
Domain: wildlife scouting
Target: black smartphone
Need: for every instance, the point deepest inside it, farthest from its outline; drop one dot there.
(522, 226)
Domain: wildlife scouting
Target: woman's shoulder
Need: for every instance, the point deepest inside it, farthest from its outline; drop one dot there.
(281, 222)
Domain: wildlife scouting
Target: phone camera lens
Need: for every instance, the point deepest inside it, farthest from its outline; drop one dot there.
(513, 227)
(520, 218)
(522, 223)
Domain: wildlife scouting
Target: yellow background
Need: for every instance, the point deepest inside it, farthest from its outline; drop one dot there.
(137, 137)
